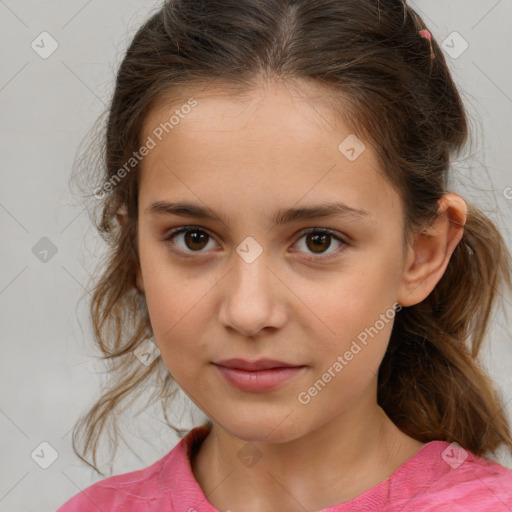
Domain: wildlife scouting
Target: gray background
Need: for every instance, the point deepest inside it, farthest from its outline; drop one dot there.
(48, 372)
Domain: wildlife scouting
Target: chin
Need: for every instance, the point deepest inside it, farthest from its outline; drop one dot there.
(255, 429)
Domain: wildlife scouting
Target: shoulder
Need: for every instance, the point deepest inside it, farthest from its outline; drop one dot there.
(157, 487)
(457, 480)
(480, 484)
(133, 491)
(136, 491)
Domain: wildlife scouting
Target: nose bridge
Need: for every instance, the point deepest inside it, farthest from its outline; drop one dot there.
(250, 279)
(249, 302)
(250, 275)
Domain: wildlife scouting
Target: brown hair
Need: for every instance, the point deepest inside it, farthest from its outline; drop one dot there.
(379, 77)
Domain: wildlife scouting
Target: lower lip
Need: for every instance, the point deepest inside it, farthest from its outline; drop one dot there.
(258, 380)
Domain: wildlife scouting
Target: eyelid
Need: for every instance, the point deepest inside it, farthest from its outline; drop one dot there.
(183, 229)
(321, 230)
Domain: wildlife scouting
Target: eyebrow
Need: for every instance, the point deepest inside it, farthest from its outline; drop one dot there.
(282, 217)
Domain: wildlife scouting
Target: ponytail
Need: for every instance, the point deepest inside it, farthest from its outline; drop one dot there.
(430, 381)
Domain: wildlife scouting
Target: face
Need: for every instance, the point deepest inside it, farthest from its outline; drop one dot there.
(315, 292)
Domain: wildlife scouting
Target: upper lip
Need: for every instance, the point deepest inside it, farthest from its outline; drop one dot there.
(260, 364)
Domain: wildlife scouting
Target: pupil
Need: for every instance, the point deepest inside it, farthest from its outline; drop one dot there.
(195, 238)
(318, 239)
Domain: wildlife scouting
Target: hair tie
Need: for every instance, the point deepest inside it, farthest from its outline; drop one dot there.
(428, 36)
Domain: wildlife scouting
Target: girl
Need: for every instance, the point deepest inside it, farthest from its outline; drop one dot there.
(275, 198)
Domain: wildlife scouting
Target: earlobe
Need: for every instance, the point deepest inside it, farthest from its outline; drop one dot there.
(430, 252)
(122, 215)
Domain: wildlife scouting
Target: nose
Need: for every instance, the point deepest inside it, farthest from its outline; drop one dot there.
(252, 298)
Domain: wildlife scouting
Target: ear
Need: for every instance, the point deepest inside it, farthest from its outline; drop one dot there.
(122, 219)
(430, 252)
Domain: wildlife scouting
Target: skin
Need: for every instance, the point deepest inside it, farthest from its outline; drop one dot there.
(245, 158)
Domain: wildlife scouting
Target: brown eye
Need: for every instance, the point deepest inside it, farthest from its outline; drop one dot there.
(318, 242)
(193, 239)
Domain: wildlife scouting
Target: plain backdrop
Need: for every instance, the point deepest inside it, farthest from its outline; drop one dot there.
(48, 370)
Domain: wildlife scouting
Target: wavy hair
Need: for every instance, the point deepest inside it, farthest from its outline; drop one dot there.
(381, 80)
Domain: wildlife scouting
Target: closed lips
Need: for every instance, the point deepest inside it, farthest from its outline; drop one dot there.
(262, 364)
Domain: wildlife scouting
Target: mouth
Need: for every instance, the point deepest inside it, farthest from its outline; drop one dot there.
(260, 364)
(257, 376)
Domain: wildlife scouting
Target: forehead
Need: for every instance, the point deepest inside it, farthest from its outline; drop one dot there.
(302, 107)
(273, 142)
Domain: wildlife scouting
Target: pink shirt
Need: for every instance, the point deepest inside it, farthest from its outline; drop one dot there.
(436, 479)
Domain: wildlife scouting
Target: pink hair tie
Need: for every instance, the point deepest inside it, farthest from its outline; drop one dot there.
(428, 36)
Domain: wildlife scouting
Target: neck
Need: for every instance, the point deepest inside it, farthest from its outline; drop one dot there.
(329, 465)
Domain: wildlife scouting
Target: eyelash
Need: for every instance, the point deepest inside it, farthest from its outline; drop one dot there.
(317, 231)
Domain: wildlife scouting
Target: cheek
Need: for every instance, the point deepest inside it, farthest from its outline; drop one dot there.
(358, 305)
(346, 362)
(175, 304)
(177, 315)
(364, 288)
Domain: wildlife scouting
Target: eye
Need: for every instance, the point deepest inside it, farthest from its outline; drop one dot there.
(318, 240)
(195, 239)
